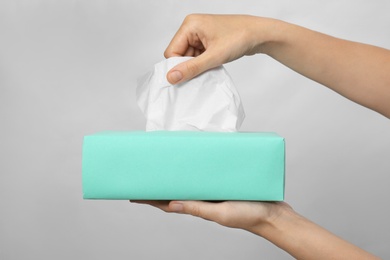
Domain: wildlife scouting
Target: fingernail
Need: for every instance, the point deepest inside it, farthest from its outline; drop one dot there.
(175, 76)
(176, 207)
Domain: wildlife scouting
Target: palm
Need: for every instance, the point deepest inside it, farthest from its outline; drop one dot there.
(235, 214)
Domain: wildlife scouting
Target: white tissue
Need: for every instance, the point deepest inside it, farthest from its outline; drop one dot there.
(208, 102)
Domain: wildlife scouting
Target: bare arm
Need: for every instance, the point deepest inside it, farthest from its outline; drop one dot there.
(274, 221)
(357, 71)
(304, 239)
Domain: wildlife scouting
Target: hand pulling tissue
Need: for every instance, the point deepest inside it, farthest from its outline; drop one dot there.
(208, 102)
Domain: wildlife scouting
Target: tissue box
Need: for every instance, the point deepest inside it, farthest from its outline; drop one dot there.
(183, 165)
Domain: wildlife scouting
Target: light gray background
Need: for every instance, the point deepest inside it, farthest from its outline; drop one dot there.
(68, 68)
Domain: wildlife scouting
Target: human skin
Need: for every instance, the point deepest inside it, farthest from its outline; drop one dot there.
(275, 221)
(357, 71)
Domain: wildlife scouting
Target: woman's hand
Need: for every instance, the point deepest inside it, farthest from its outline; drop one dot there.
(251, 216)
(214, 40)
(357, 71)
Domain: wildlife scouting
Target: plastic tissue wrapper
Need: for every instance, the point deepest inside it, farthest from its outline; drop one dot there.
(208, 102)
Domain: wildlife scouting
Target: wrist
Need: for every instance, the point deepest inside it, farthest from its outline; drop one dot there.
(272, 35)
(280, 216)
(266, 33)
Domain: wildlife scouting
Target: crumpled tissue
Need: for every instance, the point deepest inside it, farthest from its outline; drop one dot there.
(208, 102)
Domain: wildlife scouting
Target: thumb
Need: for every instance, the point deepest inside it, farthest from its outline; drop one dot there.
(191, 68)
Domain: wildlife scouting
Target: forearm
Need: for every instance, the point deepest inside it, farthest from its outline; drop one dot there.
(357, 71)
(304, 239)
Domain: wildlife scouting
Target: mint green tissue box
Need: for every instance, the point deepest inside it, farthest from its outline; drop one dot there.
(183, 165)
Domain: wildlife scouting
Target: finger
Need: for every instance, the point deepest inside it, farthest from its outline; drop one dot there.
(206, 210)
(188, 35)
(190, 52)
(178, 45)
(198, 52)
(193, 67)
(161, 204)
